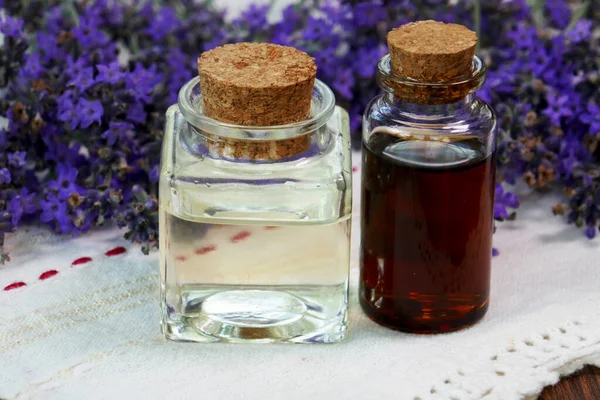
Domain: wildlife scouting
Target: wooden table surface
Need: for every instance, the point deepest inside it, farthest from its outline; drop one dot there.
(583, 385)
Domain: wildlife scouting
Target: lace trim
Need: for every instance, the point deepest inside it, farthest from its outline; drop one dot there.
(522, 369)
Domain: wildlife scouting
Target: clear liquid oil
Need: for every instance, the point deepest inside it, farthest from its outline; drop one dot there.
(256, 281)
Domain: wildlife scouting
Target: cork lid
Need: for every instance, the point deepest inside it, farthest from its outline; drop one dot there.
(432, 51)
(256, 84)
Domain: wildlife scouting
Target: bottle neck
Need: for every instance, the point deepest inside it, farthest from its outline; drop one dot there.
(430, 110)
(430, 98)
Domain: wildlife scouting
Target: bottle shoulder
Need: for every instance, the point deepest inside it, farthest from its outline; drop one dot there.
(184, 154)
(477, 117)
(195, 185)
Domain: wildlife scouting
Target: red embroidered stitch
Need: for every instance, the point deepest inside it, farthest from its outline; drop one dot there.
(81, 260)
(181, 258)
(15, 285)
(48, 274)
(116, 251)
(204, 250)
(240, 236)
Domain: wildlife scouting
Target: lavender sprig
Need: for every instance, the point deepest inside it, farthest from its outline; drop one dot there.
(86, 85)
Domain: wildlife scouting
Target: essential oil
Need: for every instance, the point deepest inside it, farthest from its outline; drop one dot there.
(221, 274)
(427, 228)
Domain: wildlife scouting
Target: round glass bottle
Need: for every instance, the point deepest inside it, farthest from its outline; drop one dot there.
(255, 224)
(427, 202)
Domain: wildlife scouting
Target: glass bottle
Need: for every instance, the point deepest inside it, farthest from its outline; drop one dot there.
(427, 201)
(255, 250)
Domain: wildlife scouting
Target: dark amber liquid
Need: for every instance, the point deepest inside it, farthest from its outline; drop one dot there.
(427, 220)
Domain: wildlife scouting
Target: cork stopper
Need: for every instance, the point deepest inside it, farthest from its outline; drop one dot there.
(431, 51)
(257, 84)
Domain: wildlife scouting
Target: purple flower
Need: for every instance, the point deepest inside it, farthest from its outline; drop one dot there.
(316, 29)
(4, 176)
(49, 48)
(17, 159)
(370, 13)
(355, 118)
(88, 34)
(65, 225)
(501, 82)
(495, 252)
(581, 31)
(541, 61)
(326, 61)
(52, 208)
(22, 204)
(369, 55)
(58, 59)
(136, 113)
(141, 81)
(558, 107)
(117, 131)
(178, 79)
(502, 201)
(109, 73)
(32, 68)
(560, 12)
(65, 183)
(66, 110)
(56, 21)
(500, 211)
(282, 38)
(339, 14)
(570, 155)
(84, 79)
(75, 67)
(89, 112)
(256, 17)
(154, 174)
(592, 117)
(524, 37)
(344, 83)
(11, 27)
(289, 20)
(164, 22)
(590, 231)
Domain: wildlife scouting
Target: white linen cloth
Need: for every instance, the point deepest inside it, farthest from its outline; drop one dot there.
(91, 331)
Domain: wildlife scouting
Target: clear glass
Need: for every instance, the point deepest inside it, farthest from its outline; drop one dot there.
(255, 250)
(427, 203)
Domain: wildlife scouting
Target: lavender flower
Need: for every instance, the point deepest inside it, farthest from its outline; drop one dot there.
(369, 14)
(504, 200)
(581, 31)
(65, 184)
(591, 116)
(17, 159)
(54, 210)
(558, 107)
(110, 73)
(82, 144)
(4, 176)
(11, 27)
(22, 204)
(89, 112)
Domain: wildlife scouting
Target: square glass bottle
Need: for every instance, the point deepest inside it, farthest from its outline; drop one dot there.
(255, 249)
